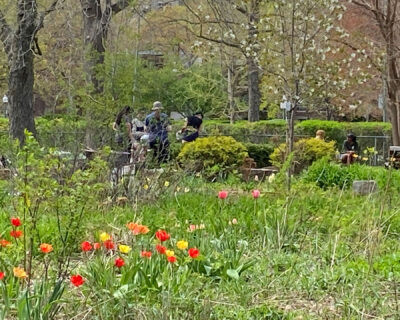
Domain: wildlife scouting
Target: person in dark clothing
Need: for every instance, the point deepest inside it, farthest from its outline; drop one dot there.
(350, 149)
(157, 126)
(195, 122)
(123, 132)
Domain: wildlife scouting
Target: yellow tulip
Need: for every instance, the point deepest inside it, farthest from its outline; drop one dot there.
(124, 248)
(182, 244)
(104, 236)
(145, 187)
(166, 183)
(19, 273)
(169, 253)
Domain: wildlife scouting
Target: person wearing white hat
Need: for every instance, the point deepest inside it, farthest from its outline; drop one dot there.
(157, 124)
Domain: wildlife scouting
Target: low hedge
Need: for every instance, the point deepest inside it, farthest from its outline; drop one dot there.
(260, 153)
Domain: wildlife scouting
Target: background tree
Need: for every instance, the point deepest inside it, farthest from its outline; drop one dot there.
(385, 13)
(234, 24)
(96, 23)
(21, 45)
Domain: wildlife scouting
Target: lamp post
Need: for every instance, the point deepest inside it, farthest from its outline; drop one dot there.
(5, 105)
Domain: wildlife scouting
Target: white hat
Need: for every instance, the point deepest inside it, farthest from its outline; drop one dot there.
(157, 106)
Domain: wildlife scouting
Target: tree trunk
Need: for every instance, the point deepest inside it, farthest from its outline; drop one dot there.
(231, 93)
(21, 76)
(93, 35)
(253, 90)
(20, 85)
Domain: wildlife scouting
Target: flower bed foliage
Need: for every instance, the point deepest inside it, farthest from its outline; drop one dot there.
(306, 151)
(194, 249)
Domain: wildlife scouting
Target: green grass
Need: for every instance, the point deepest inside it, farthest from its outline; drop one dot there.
(311, 254)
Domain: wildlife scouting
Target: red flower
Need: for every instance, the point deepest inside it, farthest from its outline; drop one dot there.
(146, 254)
(16, 222)
(109, 245)
(86, 246)
(4, 243)
(161, 249)
(46, 248)
(171, 259)
(119, 262)
(193, 253)
(77, 280)
(222, 194)
(16, 233)
(1, 275)
(162, 235)
(96, 246)
(255, 193)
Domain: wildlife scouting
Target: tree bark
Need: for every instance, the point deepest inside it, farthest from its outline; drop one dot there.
(231, 93)
(253, 90)
(96, 23)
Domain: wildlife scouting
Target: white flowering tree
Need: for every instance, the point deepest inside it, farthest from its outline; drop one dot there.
(233, 24)
(301, 58)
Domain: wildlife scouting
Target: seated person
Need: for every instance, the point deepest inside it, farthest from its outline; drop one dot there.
(350, 149)
(195, 122)
(320, 135)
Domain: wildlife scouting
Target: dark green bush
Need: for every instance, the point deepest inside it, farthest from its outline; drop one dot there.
(260, 153)
(215, 155)
(337, 131)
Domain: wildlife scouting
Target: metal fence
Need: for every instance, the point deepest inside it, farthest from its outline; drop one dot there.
(75, 142)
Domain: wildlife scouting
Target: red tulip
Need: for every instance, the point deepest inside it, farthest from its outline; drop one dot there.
(119, 262)
(255, 193)
(109, 245)
(146, 254)
(171, 259)
(16, 233)
(1, 275)
(193, 253)
(86, 246)
(16, 222)
(162, 235)
(77, 280)
(161, 249)
(96, 246)
(223, 194)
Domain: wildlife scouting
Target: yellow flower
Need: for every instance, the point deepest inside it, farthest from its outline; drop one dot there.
(169, 253)
(182, 244)
(19, 273)
(166, 183)
(104, 236)
(187, 190)
(146, 186)
(178, 189)
(124, 248)
(364, 159)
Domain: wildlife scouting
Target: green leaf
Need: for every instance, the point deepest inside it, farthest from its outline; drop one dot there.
(232, 273)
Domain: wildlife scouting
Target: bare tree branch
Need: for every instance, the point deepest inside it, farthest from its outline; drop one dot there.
(6, 33)
(49, 10)
(119, 6)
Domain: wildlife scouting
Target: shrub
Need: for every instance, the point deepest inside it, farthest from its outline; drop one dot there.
(306, 151)
(260, 153)
(215, 155)
(327, 174)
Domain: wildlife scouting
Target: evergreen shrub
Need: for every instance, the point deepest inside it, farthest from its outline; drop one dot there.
(214, 155)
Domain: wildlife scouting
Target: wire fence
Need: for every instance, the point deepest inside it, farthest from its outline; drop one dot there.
(75, 142)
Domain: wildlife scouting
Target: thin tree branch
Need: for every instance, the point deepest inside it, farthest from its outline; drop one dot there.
(6, 33)
(119, 6)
